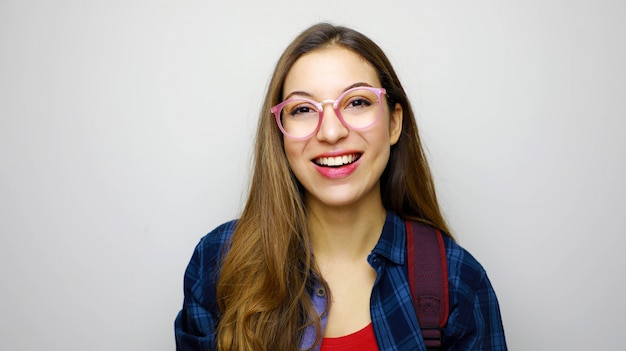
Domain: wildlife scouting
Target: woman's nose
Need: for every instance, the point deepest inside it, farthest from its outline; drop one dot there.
(331, 129)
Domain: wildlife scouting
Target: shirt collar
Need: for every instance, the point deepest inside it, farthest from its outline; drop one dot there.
(392, 242)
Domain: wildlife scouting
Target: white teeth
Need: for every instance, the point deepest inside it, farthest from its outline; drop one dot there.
(336, 161)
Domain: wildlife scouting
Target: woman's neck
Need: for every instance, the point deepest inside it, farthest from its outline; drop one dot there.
(346, 233)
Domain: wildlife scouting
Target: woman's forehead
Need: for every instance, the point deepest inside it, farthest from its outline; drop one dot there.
(329, 71)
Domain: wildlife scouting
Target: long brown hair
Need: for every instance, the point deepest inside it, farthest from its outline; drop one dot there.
(265, 281)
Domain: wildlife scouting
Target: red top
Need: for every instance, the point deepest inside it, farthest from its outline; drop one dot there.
(362, 340)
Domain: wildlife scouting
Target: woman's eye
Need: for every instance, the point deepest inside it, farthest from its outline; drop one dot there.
(359, 102)
(300, 110)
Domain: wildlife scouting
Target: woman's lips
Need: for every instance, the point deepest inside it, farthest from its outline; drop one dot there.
(336, 161)
(338, 166)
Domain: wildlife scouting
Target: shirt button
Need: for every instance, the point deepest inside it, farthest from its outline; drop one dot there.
(321, 292)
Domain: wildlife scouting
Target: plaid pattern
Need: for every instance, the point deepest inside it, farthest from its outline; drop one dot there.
(474, 322)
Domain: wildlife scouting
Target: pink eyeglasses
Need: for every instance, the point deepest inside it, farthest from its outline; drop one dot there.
(357, 108)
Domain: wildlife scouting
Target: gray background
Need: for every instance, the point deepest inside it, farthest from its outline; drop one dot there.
(126, 127)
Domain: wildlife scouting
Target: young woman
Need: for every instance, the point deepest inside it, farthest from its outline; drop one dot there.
(318, 256)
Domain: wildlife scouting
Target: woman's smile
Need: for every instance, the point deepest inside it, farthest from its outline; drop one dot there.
(336, 161)
(337, 167)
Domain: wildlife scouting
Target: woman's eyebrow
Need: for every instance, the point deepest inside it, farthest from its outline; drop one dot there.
(304, 93)
(359, 84)
(300, 93)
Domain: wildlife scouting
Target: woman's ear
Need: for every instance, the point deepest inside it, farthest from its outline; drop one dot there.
(395, 124)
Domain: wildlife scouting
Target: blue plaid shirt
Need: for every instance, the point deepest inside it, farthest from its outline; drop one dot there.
(474, 322)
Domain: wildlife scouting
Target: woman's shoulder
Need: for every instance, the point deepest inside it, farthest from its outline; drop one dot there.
(202, 272)
(211, 248)
(463, 267)
(219, 235)
(474, 322)
(213, 244)
(203, 268)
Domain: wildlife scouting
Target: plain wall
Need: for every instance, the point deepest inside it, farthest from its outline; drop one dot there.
(126, 131)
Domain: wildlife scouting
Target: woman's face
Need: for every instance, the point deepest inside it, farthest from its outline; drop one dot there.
(358, 157)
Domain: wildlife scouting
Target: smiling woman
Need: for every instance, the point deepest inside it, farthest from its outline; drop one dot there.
(324, 74)
(318, 258)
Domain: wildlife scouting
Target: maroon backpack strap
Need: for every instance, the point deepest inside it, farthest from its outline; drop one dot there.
(428, 280)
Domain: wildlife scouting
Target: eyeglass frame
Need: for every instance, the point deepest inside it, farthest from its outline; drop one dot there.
(277, 110)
